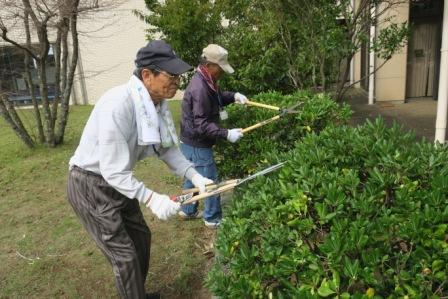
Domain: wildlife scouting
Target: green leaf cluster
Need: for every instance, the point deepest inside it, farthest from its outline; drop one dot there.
(187, 25)
(355, 213)
(316, 111)
(277, 45)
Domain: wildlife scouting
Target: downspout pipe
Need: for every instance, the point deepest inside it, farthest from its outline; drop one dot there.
(372, 57)
(442, 102)
(82, 80)
(352, 65)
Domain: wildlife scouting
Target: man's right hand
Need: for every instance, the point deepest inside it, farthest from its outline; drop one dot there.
(162, 206)
(200, 182)
(234, 134)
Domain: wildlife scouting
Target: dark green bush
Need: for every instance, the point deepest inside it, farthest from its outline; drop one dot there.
(241, 158)
(355, 213)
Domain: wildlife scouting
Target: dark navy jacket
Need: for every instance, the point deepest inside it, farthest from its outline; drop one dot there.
(200, 113)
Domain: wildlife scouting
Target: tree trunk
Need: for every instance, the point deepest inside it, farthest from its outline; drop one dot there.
(57, 73)
(44, 47)
(343, 79)
(64, 58)
(322, 74)
(29, 81)
(49, 131)
(63, 116)
(37, 117)
(9, 114)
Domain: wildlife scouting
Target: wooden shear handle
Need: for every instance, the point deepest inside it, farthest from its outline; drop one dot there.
(211, 193)
(262, 123)
(250, 103)
(209, 187)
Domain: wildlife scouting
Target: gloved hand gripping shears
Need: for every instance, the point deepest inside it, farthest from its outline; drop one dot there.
(214, 189)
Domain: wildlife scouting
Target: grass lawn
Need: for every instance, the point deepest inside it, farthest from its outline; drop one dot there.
(45, 252)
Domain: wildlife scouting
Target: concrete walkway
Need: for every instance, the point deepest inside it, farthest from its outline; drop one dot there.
(418, 115)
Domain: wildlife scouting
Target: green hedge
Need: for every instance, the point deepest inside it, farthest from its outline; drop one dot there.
(243, 157)
(355, 213)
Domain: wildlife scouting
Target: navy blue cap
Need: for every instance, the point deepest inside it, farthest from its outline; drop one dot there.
(160, 54)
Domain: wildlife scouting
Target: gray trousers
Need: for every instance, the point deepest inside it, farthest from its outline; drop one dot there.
(116, 224)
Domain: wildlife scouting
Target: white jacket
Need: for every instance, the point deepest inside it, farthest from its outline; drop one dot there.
(109, 146)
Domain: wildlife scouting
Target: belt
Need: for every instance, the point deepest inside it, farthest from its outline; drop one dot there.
(87, 172)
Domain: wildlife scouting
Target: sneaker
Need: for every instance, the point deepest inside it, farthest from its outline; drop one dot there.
(213, 225)
(197, 215)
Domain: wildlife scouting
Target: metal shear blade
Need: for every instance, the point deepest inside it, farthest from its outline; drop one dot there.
(290, 110)
(262, 172)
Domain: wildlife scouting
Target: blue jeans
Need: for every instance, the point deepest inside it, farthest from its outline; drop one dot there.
(204, 163)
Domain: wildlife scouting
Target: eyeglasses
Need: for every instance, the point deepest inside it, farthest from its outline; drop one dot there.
(171, 76)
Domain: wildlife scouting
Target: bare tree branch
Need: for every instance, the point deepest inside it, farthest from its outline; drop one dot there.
(29, 25)
(6, 38)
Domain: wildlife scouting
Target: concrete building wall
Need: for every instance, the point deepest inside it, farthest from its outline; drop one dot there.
(357, 69)
(357, 57)
(109, 41)
(390, 80)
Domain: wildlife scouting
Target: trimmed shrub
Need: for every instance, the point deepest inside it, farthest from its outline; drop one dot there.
(316, 112)
(355, 213)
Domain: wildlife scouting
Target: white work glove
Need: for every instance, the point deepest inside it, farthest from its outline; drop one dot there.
(162, 206)
(234, 134)
(200, 182)
(240, 98)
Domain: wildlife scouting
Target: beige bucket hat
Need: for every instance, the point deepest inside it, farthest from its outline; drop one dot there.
(217, 54)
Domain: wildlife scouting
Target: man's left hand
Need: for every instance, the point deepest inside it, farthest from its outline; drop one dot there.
(240, 98)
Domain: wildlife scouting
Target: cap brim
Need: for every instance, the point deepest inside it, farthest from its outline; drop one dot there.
(174, 66)
(227, 68)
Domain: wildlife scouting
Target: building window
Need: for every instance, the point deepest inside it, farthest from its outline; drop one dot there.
(426, 9)
(13, 78)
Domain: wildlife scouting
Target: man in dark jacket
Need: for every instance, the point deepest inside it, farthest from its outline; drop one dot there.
(202, 109)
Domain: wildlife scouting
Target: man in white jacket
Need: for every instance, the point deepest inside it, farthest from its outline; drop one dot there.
(130, 122)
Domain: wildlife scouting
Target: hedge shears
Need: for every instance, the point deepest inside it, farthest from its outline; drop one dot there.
(215, 189)
(282, 112)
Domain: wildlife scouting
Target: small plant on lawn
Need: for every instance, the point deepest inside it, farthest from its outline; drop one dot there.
(316, 112)
(355, 213)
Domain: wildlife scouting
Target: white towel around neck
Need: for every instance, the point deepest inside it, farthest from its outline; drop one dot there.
(154, 124)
